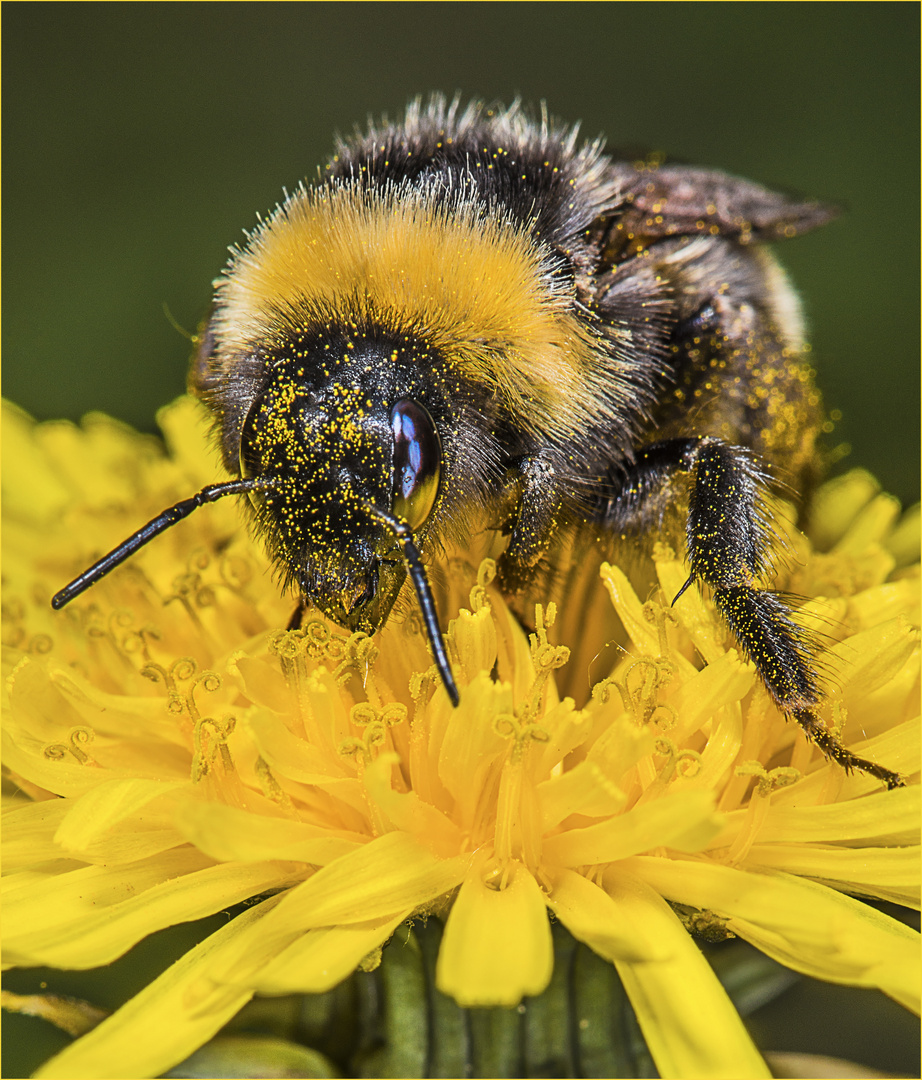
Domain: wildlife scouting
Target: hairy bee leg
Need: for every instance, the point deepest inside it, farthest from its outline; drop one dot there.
(297, 616)
(538, 506)
(817, 732)
(729, 547)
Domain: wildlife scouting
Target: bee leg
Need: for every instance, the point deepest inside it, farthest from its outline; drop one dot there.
(538, 505)
(297, 616)
(729, 548)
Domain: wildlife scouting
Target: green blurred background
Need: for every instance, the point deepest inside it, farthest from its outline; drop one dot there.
(142, 138)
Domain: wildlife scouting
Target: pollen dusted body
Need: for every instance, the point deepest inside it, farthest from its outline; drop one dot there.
(564, 318)
(474, 321)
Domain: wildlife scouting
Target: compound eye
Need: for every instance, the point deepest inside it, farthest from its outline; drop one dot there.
(247, 458)
(417, 462)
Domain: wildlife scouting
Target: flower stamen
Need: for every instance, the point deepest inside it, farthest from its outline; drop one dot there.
(545, 657)
(358, 660)
(767, 781)
(270, 786)
(479, 598)
(642, 701)
(375, 722)
(684, 762)
(78, 737)
(660, 616)
(207, 750)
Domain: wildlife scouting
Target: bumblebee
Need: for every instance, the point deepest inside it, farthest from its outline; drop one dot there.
(474, 320)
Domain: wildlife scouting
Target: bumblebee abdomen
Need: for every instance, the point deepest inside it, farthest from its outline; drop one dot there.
(738, 367)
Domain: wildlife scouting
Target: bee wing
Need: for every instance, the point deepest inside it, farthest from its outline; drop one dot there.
(674, 200)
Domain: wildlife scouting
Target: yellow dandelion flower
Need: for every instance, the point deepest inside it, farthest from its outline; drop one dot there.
(172, 753)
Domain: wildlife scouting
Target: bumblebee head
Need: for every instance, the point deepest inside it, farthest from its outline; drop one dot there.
(341, 460)
(353, 340)
(339, 452)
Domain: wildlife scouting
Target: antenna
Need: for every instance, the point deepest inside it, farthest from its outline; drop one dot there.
(171, 516)
(415, 569)
(174, 514)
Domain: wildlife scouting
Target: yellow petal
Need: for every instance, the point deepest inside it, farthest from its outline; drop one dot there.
(497, 945)
(884, 602)
(622, 742)
(837, 503)
(903, 542)
(880, 713)
(616, 931)
(513, 653)
(408, 813)
(805, 926)
(387, 876)
(870, 525)
(471, 750)
(320, 959)
(34, 489)
(567, 728)
(72, 1015)
(171, 1017)
(900, 748)
(724, 682)
(889, 873)
(706, 632)
(630, 610)
(473, 635)
(869, 659)
(94, 454)
(585, 789)
(685, 821)
(122, 821)
(289, 755)
(229, 834)
(707, 1039)
(186, 425)
(885, 817)
(94, 914)
(28, 833)
(262, 681)
(388, 879)
(45, 709)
